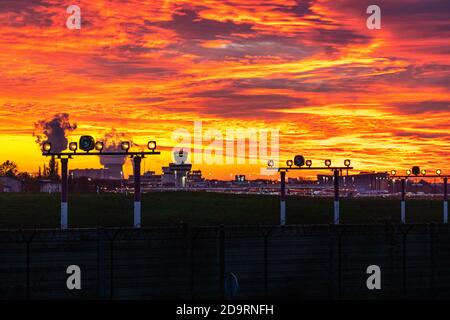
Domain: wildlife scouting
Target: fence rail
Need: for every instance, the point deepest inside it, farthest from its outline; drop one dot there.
(190, 262)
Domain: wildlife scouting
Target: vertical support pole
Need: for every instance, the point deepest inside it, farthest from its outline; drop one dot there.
(222, 261)
(64, 193)
(445, 200)
(283, 198)
(137, 191)
(402, 204)
(336, 197)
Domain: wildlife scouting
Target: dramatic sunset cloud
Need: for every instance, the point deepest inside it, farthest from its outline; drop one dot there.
(310, 68)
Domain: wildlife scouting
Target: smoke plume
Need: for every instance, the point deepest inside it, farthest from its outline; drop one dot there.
(55, 131)
(111, 142)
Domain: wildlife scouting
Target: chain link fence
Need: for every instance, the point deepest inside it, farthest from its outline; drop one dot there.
(190, 262)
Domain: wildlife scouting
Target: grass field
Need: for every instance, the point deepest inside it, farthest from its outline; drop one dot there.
(200, 208)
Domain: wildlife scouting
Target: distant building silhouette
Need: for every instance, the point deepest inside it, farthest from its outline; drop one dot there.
(49, 186)
(10, 184)
(364, 182)
(113, 172)
(175, 175)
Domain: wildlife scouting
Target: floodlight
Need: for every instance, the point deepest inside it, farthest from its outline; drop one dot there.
(328, 162)
(289, 163)
(270, 163)
(46, 146)
(299, 160)
(151, 145)
(438, 172)
(424, 172)
(308, 163)
(347, 162)
(408, 172)
(73, 146)
(125, 145)
(393, 172)
(416, 170)
(99, 146)
(86, 143)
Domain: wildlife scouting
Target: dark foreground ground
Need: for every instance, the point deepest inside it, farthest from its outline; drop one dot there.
(200, 208)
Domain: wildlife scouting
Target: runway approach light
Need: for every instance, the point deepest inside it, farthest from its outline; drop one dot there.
(424, 172)
(438, 172)
(99, 146)
(416, 170)
(125, 145)
(151, 145)
(289, 163)
(270, 163)
(46, 146)
(327, 162)
(408, 172)
(393, 172)
(299, 161)
(73, 146)
(347, 162)
(86, 143)
(308, 163)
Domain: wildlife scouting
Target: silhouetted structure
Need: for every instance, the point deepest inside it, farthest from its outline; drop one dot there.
(364, 182)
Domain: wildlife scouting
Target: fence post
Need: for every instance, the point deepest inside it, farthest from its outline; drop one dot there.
(193, 237)
(390, 233)
(222, 261)
(266, 262)
(332, 273)
(432, 261)
(28, 241)
(339, 234)
(101, 264)
(28, 269)
(111, 269)
(404, 276)
(335, 239)
(111, 263)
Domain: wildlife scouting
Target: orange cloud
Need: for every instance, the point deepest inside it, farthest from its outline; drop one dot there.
(310, 68)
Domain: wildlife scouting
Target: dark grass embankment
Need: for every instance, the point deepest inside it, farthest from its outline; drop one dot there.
(27, 210)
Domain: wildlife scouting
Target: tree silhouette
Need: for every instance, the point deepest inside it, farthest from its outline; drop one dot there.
(50, 171)
(8, 168)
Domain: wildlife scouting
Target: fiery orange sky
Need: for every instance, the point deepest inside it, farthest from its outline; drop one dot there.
(312, 69)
